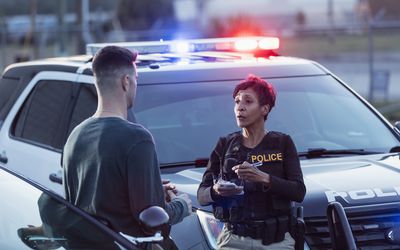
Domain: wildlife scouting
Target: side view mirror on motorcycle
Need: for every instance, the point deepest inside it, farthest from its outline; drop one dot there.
(152, 220)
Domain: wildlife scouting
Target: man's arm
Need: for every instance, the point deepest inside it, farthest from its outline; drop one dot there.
(143, 177)
(179, 207)
(145, 186)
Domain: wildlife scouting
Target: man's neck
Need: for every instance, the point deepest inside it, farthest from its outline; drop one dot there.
(111, 110)
(106, 113)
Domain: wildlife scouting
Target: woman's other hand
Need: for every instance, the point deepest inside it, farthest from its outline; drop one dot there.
(224, 189)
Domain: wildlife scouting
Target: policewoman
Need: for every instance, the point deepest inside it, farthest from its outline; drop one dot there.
(253, 175)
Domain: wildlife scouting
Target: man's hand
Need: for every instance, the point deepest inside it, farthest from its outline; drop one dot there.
(184, 197)
(171, 192)
(168, 187)
(247, 172)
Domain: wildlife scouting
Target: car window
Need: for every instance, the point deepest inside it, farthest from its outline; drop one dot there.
(32, 219)
(8, 87)
(85, 106)
(43, 116)
(187, 119)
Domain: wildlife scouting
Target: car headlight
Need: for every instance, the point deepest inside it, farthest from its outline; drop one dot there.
(211, 226)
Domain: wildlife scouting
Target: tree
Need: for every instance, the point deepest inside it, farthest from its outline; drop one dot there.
(143, 15)
(234, 26)
(390, 8)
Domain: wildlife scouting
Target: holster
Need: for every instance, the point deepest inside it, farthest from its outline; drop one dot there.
(221, 213)
(232, 214)
(269, 231)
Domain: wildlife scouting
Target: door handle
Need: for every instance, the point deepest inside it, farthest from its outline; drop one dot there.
(56, 177)
(3, 157)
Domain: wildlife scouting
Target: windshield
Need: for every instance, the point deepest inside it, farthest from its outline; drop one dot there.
(186, 120)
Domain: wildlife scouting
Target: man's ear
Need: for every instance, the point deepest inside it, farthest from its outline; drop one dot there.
(125, 82)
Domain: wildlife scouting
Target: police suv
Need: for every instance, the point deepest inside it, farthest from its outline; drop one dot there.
(347, 149)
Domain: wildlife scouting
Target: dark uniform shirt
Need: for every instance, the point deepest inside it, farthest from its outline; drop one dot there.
(111, 171)
(279, 159)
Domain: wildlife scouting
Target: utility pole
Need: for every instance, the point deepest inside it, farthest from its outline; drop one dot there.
(62, 30)
(33, 38)
(330, 15)
(370, 60)
(371, 25)
(3, 34)
(83, 21)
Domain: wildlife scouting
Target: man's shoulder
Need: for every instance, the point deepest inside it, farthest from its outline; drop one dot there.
(81, 127)
(136, 131)
(137, 128)
(116, 126)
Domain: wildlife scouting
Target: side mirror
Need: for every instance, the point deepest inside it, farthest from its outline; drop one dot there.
(153, 219)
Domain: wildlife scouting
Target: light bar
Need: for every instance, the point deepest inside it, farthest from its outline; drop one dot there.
(268, 43)
(246, 45)
(239, 44)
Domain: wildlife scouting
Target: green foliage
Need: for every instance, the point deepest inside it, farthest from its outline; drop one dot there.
(390, 8)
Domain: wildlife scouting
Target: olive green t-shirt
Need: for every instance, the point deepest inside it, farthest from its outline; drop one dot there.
(111, 171)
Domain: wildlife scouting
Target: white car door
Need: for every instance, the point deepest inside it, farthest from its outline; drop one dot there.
(32, 133)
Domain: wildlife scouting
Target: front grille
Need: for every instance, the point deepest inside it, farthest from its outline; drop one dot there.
(369, 231)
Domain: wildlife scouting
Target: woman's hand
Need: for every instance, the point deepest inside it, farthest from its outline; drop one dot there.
(227, 190)
(247, 172)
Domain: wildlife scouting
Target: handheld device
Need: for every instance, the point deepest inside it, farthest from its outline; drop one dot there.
(227, 184)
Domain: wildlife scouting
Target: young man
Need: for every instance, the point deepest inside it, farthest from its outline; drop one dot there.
(110, 164)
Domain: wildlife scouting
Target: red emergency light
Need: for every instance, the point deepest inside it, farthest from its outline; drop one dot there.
(257, 43)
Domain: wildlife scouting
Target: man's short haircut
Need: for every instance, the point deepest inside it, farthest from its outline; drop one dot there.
(112, 61)
(265, 91)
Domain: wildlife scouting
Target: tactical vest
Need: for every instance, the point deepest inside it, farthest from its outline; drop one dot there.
(256, 203)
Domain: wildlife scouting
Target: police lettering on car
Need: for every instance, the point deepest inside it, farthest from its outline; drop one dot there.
(362, 194)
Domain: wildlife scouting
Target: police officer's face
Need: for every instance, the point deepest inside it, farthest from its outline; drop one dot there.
(248, 110)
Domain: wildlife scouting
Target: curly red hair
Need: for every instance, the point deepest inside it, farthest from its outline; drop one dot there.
(265, 91)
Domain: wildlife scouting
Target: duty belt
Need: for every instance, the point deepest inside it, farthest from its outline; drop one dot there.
(269, 230)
